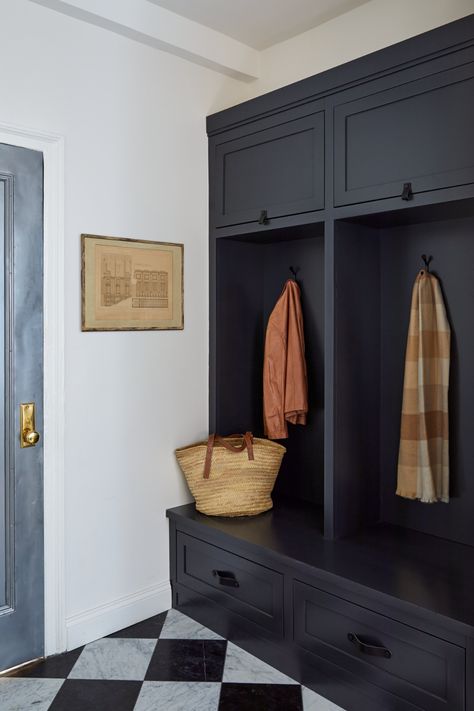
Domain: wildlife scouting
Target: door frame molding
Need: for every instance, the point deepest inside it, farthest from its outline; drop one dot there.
(52, 148)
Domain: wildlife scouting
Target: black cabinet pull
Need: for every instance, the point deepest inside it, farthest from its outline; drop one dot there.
(226, 578)
(372, 649)
(263, 219)
(407, 193)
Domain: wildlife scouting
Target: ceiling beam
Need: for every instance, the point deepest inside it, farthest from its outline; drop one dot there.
(156, 27)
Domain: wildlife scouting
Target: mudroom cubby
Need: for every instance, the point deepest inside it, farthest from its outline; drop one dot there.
(377, 258)
(357, 593)
(250, 274)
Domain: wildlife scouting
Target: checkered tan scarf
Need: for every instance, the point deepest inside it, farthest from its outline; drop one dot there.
(423, 461)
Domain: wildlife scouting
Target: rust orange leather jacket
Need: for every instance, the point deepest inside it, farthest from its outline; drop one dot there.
(285, 383)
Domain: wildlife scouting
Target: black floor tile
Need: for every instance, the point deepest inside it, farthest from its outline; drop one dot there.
(187, 660)
(57, 667)
(148, 629)
(80, 695)
(261, 697)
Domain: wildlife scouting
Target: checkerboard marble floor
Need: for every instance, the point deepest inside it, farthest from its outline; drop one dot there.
(166, 663)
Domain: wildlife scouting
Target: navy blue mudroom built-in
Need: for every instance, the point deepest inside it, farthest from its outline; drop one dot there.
(351, 175)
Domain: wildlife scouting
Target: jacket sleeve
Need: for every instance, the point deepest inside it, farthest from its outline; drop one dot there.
(296, 382)
(274, 367)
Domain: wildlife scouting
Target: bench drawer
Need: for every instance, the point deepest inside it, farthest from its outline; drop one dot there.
(424, 670)
(242, 586)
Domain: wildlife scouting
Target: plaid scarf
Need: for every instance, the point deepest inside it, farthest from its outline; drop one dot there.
(423, 461)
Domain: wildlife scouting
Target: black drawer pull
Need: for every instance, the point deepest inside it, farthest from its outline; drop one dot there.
(263, 219)
(226, 578)
(407, 193)
(371, 649)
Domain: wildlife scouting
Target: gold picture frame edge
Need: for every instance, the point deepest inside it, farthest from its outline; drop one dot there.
(89, 329)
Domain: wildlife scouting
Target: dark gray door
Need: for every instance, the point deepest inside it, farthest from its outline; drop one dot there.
(21, 381)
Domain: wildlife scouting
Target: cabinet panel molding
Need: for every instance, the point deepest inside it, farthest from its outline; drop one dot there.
(270, 173)
(419, 133)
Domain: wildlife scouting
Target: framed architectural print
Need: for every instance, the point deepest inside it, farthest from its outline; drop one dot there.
(131, 284)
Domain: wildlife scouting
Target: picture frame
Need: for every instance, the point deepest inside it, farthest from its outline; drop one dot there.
(131, 284)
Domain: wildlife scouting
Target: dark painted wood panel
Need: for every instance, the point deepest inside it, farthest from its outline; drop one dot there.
(279, 169)
(470, 674)
(434, 206)
(419, 133)
(356, 379)
(173, 566)
(239, 337)
(258, 591)
(423, 670)
(296, 223)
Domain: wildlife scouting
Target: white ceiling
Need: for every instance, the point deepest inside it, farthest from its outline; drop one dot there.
(259, 23)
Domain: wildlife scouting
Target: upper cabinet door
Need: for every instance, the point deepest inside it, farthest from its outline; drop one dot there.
(420, 133)
(278, 169)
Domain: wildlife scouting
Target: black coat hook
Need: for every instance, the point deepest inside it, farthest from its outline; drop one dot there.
(427, 261)
(294, 271)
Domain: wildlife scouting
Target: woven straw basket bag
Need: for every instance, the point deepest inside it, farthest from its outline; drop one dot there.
(231, 476)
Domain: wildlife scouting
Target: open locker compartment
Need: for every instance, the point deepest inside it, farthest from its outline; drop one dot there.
(377, 258)
(250, 274)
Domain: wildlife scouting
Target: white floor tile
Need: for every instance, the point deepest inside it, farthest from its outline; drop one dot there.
(315, 702)
(179, 626)
(23, 694)
(125, 659)
(178, 696)
(242, 667)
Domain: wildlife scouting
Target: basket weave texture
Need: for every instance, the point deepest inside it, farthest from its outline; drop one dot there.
(237, 485)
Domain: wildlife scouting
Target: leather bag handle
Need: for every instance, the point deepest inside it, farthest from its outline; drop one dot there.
(247, 443)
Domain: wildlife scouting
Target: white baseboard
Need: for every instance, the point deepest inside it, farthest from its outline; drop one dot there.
(112, 616)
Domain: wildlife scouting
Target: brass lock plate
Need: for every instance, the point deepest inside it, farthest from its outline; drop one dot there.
(28, 435)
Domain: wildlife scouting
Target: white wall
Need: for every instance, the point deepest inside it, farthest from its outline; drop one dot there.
(136, 165)
(368, 28)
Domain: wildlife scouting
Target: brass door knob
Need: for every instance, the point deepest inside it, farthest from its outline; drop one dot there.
(31, 436)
